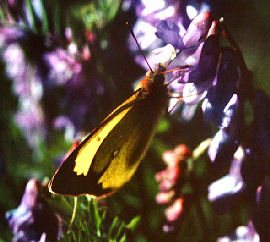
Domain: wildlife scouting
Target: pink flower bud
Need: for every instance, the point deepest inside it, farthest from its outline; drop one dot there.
(166, 185)
(173, 212)
(165, 197)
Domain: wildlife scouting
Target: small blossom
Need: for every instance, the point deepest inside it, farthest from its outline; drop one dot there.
(166, 184)
(61, 67)
(182, 151)
(222, 149)
(168, 31)
(224, 192)
(170, 183)
(165, 197)
(173, 212)
(242, 234)
(63, 122)
(9, 35)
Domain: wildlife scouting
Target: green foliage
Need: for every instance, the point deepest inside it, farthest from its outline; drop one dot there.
(94, 15)
(91, 221)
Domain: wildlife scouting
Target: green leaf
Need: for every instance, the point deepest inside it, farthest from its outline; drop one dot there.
(198, 151)
(30, 14)
(123, 238)
(113, 226)
(163, 126)
(120, 230)
(45, 22)
(56, 18)
(98, 219)
(134, 222)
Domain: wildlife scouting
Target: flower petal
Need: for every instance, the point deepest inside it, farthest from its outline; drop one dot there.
(224, 192)
(168, 31)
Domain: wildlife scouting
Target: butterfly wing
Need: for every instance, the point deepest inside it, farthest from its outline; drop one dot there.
(110, 155)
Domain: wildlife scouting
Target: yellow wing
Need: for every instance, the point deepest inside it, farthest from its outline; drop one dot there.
(110, 155)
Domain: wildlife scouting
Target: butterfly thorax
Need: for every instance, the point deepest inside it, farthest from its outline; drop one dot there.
(153, 83)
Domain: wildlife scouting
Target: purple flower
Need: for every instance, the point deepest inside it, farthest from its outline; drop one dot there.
(222, 149)
(197, 30)
(26, 84)
(205, 71)
(61, 67)
(47, 77)
(9, 35)
(222, 89)
(227, 139)
(33, 220)
(224, 192)
(163, 19)
(242, 234)
(168, 31)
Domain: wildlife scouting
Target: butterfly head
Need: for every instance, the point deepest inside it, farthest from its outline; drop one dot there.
(154, 81)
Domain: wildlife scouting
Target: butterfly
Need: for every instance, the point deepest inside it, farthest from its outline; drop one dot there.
(109, 156)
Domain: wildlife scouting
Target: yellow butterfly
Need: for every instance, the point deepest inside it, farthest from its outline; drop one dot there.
(111, 153)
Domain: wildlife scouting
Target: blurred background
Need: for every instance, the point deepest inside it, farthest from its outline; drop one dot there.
(66, 64)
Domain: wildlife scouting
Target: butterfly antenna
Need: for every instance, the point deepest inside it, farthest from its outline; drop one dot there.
(176, 69)
(140, 49)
